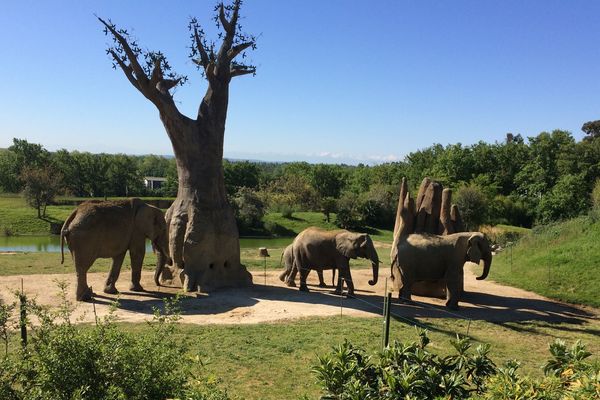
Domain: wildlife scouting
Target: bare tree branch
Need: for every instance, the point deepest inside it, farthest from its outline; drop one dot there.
(157, 74)
(236, 50)
(126, 70)
(140, 75)
(204, 60)
(227, 26)
(233, 72)
(167, 84)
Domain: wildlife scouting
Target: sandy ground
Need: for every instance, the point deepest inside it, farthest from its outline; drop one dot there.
(483, 300)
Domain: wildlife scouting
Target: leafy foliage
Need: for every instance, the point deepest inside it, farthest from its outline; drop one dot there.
(68, 361)
(40, 187)
(517, 182)
(411, 371)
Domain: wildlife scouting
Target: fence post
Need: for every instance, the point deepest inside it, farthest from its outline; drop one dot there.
(388, 307)
(385, 307)
(23, 315)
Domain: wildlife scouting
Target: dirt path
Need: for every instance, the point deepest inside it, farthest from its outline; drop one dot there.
(484, 300)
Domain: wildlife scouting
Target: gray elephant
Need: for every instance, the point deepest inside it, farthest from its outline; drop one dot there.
(107, 229)
(426, 257)
(287, 259)
(318, 249)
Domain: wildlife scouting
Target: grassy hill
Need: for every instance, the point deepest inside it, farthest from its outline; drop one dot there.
(560, 261)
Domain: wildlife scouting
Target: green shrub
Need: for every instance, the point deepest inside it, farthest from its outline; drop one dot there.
(596, 195)
(472, 204)
(249, 209)
(410, 371)
(67, 361)
(567, 199)
(404, 371)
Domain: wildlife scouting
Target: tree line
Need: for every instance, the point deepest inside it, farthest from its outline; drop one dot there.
(517, 181)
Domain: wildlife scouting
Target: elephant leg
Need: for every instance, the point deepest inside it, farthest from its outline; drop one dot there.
(349, 283)
(283, 276)
(321, 280)
(113, 275)
(303, 275)
(83, 291)
(453, 289)
(137, 258)
(338, 286)
(291, 277)
(404, 291)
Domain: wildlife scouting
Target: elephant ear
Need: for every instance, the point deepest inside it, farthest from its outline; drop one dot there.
(348, 244)
(474, 249)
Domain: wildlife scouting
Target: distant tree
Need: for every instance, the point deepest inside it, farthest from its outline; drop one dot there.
(123, 176)
(249, 209)
(29, 154)
(24, 154)
(40, 186)
(567, 199)
(328, 206)
(9, 177)
(596, 195)
(472, 204)
(153, 165)
(591, 129)
(240, 174)
(328, 180)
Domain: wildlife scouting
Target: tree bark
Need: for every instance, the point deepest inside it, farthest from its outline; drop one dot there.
(203, 234)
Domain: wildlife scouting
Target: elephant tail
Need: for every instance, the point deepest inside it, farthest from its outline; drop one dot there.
(64, 231)
(392, 263)
(160, 264)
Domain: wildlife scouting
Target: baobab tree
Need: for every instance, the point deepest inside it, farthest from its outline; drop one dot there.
(203, 236)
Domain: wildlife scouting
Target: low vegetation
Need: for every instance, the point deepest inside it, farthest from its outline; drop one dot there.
(273, 361)
(62, 360)
(411, 371)
(559, 261)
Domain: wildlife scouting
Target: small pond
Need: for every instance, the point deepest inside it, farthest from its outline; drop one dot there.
(51, 244)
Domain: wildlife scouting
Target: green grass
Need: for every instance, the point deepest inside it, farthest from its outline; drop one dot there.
(273, 361)
(560, 261)
(17, 218)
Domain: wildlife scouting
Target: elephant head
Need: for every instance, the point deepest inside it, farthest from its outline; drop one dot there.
(479, 248)
(359, 245)
(151, 222)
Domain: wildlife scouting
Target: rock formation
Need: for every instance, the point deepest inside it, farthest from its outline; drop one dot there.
(433, 212)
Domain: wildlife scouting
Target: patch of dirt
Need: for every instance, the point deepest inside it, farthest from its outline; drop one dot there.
(483, 300)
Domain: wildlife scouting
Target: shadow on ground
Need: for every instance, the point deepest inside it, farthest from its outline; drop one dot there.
(474, 306)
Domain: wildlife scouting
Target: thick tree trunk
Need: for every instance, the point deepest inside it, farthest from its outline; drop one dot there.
(203, 235)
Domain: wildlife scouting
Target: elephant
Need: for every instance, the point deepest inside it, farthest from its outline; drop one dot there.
(107, 229)
(427, 257)
(319, 249)
(287, 259)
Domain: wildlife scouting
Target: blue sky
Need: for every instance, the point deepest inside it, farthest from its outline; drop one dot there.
(338, 81)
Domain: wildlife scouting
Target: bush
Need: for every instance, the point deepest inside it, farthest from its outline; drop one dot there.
(596, 195)
(472, 204)
(567, 199)
(249, 209)
(348, 215)
(410, 371)
(68, 361)
(404, 371)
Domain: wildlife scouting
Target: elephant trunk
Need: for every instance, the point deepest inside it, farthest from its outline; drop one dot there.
(487, 263)
(375, 264)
